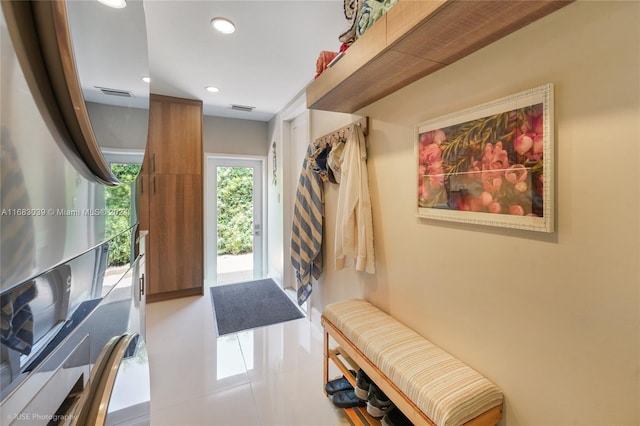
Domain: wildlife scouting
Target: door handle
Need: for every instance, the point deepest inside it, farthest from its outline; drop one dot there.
(141, 282)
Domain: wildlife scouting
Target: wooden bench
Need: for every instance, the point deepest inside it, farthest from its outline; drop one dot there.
(427, 384)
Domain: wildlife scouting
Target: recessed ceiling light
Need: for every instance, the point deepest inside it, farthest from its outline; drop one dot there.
(212, 89)
(223, 25)
(146, 79)
(118, 4)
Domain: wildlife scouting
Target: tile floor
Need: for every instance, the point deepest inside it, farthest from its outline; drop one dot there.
(265, 376)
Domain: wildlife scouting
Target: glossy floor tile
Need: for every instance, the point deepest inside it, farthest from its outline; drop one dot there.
(265, 376)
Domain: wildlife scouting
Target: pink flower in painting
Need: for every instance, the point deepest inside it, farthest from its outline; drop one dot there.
(521, 186)
(432, 153)
(439, 136)
(435, 136)
(426, 139)
(431, 168)
(516, 210)
(533, 123)
(530, 136)
(435, 168)
(423, 154)
(485, 198)
(522, 144)
(495, 158)
(516, 173)
(494, 161)
(494, 207)
(491, 182)
(538, 147)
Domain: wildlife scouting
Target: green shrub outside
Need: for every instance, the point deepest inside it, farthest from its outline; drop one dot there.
(118, 199)
(235, 210)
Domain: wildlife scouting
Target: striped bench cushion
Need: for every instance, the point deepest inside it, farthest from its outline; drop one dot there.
(445, 389)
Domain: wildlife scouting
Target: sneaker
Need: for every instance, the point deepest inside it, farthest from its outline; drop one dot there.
(363, 382)
(378, 404)
(395, 418)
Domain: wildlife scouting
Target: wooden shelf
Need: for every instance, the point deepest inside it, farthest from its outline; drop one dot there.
(414, 39)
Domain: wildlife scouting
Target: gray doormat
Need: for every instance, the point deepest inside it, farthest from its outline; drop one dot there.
(251, 304)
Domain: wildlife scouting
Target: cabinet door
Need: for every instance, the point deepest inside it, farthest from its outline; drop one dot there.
(175, 255)
(175, 136)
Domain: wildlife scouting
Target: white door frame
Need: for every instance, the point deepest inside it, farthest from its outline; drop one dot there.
(297, 110)
(211, 213)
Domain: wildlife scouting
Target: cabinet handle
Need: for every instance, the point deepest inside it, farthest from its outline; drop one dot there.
(154, 184)
(141, 286)
(154, 163)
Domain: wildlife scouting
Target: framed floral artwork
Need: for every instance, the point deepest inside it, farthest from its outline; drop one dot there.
(491, 164)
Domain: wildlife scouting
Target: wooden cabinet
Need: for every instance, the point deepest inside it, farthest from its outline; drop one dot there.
(175, 215)
(174, 143)
(414, 39)
(170, 198)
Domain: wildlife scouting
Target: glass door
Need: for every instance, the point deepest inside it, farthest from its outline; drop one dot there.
(234, 248)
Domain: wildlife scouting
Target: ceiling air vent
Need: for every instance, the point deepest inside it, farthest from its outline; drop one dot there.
(115, 92)
(242, 108)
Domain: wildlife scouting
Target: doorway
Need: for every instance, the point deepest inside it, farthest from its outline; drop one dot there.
(125, 165)
(296, 144)
(234, 225)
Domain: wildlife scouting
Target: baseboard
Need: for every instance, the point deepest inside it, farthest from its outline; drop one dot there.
(159, 297)
(316, 317)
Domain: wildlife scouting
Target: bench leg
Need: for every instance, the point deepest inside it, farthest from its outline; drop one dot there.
(326, 358)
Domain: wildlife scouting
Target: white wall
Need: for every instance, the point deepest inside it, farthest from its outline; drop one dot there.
(552, 319)
(236, 137)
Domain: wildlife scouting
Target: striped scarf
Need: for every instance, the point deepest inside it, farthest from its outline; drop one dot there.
(306, 231)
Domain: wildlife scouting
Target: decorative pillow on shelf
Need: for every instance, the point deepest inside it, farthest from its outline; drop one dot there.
(371, 11)
(361, 14)
(352, 10)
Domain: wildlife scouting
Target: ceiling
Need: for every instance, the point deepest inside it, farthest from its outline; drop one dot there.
(268, 60)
